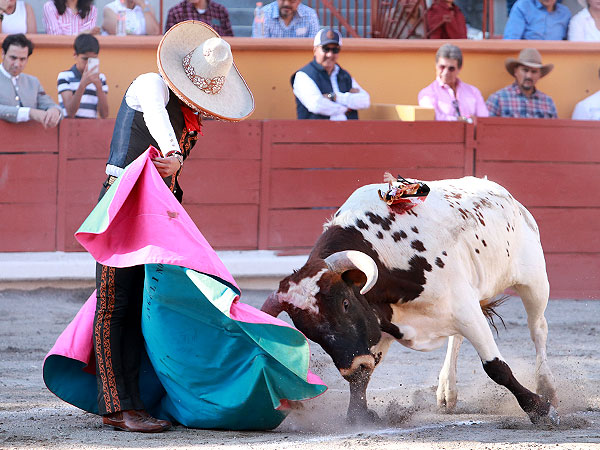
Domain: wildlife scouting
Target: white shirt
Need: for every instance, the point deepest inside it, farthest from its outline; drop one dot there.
(135, 22)
(149, 94)
(583, 28)
(588, 108)
(17, 21)
(312, 98)
(23, 111)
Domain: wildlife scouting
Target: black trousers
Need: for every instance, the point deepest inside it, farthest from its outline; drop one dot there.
(118, 337)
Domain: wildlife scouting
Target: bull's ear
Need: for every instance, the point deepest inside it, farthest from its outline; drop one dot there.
(354, 277)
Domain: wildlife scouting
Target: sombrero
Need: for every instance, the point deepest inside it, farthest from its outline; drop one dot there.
(529, 57)
(198, 67)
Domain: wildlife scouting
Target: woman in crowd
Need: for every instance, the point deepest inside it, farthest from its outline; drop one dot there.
(139, 17)
(585, 25)
(70, 17)
(16, 16)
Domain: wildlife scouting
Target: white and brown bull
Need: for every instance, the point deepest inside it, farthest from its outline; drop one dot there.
(420, 276)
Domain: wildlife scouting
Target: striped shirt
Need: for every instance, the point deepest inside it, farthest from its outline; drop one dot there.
(70, 23)
(510, 102)
(305, 23)
(69, 81)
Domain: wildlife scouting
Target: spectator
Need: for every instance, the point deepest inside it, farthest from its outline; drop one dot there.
(206, 11)
(588, 108)
(16, 16)
(522, 99)
(287, 19)
(70, 17)
(582, 26)
(448, 95)
(537, 19)
(323, 89)
(139, 17)
(81, 90)
(22, 97)
(445, 20)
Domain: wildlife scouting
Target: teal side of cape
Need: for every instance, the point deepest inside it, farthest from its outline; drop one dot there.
(218, 372)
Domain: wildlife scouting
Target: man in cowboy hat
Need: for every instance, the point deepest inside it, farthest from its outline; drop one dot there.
(197, 77)
(522, 99)
(323, 89)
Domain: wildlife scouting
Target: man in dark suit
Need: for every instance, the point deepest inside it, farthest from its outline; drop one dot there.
(22, 97)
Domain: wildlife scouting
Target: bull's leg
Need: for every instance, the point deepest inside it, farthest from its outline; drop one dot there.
(447, 393)
(477, 331)
(535, 301)
(358, 412)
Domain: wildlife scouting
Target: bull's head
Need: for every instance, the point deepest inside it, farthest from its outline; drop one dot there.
(325, 300)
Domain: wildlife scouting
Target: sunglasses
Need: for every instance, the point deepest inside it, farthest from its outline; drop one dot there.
(333, 49)
(450, 68)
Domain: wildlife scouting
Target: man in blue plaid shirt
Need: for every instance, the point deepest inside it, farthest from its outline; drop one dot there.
(522, 99)
(286, 19)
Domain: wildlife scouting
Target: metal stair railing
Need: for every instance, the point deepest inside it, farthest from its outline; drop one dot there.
(387, 19)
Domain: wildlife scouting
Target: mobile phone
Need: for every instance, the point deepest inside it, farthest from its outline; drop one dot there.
(92, 64)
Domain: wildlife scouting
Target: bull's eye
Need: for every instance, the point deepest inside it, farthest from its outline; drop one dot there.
(346, 304)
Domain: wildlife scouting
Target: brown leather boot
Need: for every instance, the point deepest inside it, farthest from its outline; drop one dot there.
(163, 423)
(130, 420)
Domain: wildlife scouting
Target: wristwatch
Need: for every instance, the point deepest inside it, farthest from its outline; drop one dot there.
(331, 96)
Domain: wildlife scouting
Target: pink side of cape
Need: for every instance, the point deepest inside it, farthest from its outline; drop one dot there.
(165, 233)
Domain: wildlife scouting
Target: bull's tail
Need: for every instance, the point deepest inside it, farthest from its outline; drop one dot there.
(488, 307)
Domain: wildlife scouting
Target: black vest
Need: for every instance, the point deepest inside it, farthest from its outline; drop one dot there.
(319, 75)
(131, 137)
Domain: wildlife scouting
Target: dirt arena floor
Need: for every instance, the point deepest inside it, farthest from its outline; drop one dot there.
(402, 391)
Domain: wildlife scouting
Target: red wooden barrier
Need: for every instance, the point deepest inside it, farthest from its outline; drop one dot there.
(28, 187)
(272, 184)
(310, 168)
(551, 166)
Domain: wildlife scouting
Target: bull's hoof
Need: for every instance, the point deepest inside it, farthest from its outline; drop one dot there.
(446, 399)
(550, 418)
(363, 417)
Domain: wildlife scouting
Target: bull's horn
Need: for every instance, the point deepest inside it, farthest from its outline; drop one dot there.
(272, 305)
(353, 259)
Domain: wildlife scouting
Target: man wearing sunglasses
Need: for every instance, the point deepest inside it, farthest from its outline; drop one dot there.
(322, 88)
(448, 95)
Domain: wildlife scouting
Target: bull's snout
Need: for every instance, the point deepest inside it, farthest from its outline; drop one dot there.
(360, 364)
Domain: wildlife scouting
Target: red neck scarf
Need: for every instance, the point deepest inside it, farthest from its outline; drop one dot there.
(192, 120)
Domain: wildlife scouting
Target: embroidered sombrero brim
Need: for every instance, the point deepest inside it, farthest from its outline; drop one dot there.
(233, 102)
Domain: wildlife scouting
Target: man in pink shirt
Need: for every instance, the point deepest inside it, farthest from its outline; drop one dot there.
(450, 97)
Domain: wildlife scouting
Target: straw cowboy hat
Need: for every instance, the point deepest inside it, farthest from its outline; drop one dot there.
(198, 67)
(529, 57)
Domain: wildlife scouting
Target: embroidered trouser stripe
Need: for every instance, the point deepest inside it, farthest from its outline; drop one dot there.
(118, 338)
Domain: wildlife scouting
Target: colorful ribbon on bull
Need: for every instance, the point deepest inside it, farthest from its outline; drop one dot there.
(405, 195)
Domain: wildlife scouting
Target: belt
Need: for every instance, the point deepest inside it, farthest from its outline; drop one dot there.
(110, 180)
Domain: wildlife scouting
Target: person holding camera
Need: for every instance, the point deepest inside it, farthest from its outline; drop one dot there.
(82, 90)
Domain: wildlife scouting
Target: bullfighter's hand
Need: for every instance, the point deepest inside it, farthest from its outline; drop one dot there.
(353, 91)
(166, 166)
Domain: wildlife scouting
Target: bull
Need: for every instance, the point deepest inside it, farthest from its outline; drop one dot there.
(420, 277)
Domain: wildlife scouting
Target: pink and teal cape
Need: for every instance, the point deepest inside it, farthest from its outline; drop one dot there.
(211, 361)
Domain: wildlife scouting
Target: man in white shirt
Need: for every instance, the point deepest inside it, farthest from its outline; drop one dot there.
(323, 89)
(22, 97)
(588, 108)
